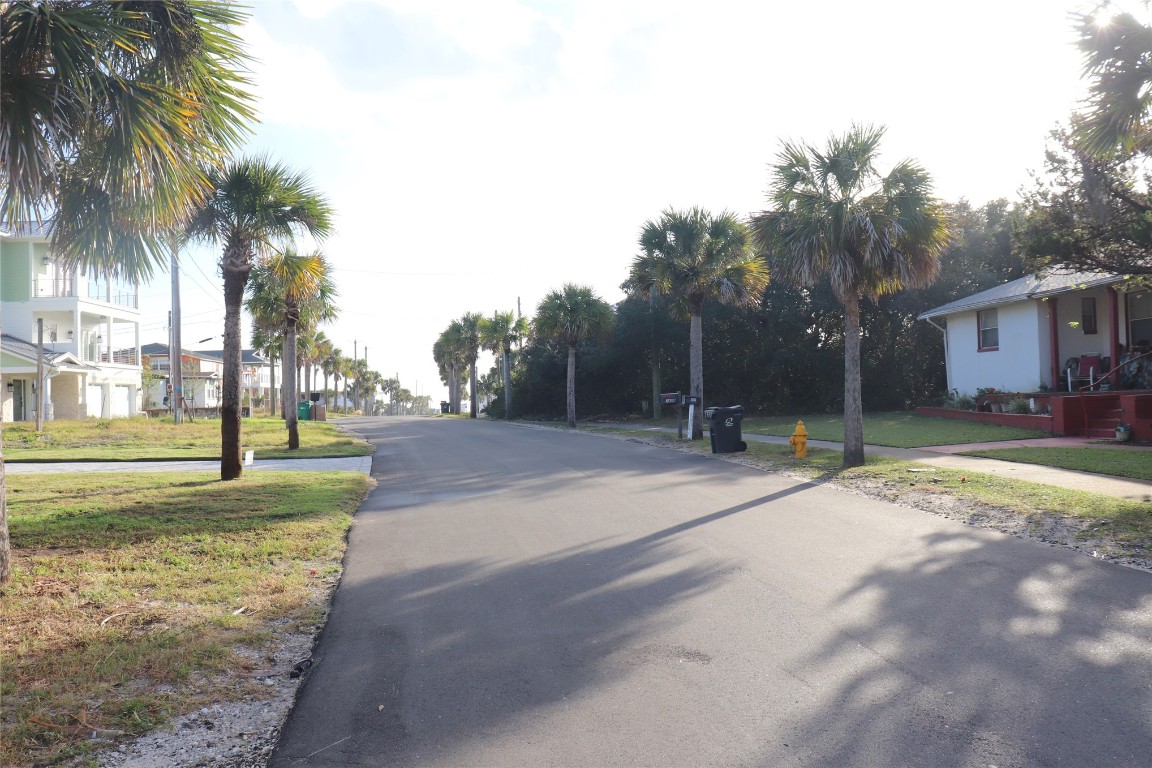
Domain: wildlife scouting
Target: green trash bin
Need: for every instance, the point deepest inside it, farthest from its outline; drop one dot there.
(304, 410)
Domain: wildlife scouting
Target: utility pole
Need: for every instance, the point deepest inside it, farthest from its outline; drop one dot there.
(39, 374)
(175, 357)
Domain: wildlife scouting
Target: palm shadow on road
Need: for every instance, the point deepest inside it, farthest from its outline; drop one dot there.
(448, 655)
(977, 651)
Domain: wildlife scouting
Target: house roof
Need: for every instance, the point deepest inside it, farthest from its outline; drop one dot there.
(1034, 286)
(248, 356)
(27, 350)
(26, 229)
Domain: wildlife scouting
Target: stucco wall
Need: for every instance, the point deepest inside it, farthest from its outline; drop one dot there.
(66, 397)
(1015, 366)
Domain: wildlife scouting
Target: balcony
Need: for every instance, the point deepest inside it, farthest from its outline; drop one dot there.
(120, 294)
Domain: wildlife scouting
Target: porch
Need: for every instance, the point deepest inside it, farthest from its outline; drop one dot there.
(1090, 414)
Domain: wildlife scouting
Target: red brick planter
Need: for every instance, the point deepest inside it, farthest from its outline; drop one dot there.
(1025, 420)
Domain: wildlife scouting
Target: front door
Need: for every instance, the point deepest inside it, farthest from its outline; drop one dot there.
(19, 409)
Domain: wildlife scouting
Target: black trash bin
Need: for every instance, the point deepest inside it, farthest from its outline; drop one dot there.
(445, 407)
(724, 428)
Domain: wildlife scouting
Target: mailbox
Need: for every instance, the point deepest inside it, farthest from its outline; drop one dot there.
(670, 398)
(691, 400)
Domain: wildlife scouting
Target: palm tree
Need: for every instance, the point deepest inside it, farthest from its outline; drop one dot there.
(451, 354)
(690, 257)
(269, 342)
(1116, 52)
(292, 289)
(834, 216)
(324, 350)
(498, 333)
(109, 113)
(358, 371)
(347, 371)
(470, 337)
(570, 315)
(254, 203)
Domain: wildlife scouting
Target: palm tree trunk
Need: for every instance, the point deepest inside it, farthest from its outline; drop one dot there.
(572, 385)
(290, 397)
(472, 406)
(507, 386)
(853, 410)
(696, 372)
(272, 399)
(325, 390)
(5, 543)
(230, 427)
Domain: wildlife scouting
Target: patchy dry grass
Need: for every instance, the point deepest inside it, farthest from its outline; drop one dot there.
(131, 592)
(141, 439)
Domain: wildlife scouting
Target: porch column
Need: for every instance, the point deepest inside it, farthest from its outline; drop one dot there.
(1114, 328)
(1054, 342)
(49, 407)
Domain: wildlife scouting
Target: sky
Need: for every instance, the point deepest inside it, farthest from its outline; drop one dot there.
(481, 153)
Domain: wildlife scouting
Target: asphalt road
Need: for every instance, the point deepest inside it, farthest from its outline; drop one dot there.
(532, 597)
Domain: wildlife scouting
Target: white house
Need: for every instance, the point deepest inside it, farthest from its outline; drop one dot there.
(1022, 336)
(91, 335)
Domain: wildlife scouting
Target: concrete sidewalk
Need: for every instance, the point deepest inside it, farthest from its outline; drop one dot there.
(946, 456)
(348, 464)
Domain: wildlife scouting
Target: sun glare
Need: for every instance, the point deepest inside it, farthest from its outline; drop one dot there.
(1105, 12)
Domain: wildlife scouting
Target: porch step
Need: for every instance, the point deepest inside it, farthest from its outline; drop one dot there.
(1104, 424)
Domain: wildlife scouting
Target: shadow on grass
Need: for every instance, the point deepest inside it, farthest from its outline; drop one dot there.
(111, 511)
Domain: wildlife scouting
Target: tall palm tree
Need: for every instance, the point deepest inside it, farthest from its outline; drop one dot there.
(358, 372)
(570, 315)
(269, 342)
(324, 349)
(451, 354)
(470, 337)
(690, 257)
(306, 355)
(347, 372)
(109, 113)
(498, 333)
(835, 216)
(293, 289)
(255, 203)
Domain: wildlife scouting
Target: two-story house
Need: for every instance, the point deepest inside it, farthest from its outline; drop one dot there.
(91, 335)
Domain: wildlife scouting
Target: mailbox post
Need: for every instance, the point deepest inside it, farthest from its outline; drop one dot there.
(673, 399)
(690, 401)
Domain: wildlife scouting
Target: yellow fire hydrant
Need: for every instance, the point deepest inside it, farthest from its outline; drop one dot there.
(799, 441)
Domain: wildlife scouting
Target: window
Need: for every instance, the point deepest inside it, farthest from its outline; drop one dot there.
(1139, 316)
(1088, 315)
(989, 332)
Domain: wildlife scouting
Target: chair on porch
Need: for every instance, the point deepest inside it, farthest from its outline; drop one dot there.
(1085, 370)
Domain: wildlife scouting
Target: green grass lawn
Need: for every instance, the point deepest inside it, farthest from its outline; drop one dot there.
(1129, 521)
(131, 590)
(1119, 461)
(141, 439)
(899, 429)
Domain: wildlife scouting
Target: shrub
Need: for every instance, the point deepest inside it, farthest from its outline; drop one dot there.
(1018, 405)
(964, 403)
